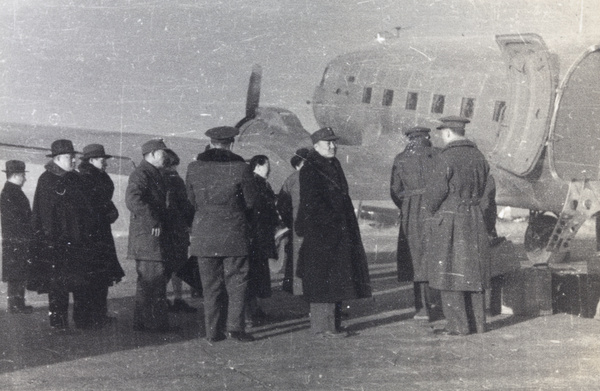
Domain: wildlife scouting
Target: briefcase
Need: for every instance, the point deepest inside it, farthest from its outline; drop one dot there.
(190, 273)
(504, 258)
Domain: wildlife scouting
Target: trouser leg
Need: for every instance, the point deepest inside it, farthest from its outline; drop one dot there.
(102, 300)
(90, 304)
(15, 293)
(322, 317)
(454, 307)
(420, 293)
(215, 295)
(236, 283)
(337, 316)
(81, 306)
(177, 287)
(495, 294)
(475, 308)
(151, 308)
(58, 307)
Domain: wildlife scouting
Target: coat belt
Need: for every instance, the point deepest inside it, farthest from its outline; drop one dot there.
(470, 201)
(411, 193)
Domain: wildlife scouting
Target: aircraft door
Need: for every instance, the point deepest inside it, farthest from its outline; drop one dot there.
(575, 139)
(523, 132)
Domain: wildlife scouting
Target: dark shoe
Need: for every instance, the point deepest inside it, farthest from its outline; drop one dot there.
(88, 326)
(446, 332)
(253, 323)
(241, 336)
(108, 320)
(259, 314)
(20, 309)
(217, 338)
(181, 306)
(59, 322)
(421, 315)
(60, 327)
(333, 334)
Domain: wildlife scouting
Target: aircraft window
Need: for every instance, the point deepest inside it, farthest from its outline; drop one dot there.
(499, 107)
(367, 95)
(350, 79)
(437, 105)
(338, 91)
(388, 97)
(411, 101)
(467, 107)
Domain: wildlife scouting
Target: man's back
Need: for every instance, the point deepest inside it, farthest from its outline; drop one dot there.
(218, 190)
(461, 176)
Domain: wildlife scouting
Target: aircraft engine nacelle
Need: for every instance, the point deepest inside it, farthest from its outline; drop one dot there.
(270, 121)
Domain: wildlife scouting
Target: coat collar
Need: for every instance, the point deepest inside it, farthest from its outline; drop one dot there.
(219, 155)
(149, 167)
(55, 169)
(88, 168)
(460, 143)
(315, 157)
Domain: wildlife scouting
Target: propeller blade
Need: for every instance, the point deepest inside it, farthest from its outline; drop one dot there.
(253, 97)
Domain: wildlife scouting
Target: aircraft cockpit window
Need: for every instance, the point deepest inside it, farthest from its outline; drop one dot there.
(350, 79)
(437, 105)
(467, 107)
(411, 101)
(366, 98)
(499, 107)
(388, 97)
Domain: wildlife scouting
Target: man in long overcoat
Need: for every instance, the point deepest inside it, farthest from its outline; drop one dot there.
(288, 201)
(263, 220)
(145, 198)
(219, 187)
(180, 214)
(62, 225)
(457, 249)
(410, 173)
(333, 263)
(17, 235)
(100, 188)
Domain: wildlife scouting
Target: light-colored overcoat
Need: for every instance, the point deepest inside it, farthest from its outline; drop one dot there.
(457, 249)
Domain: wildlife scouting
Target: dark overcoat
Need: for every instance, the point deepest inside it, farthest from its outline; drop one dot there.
(410, 172)
(17, 235)
(100, 189)
(146, 199)
(62, 227)
(288, 201)
(457, 249)
(263, 220)
(220, 188)
(333, 263)
(180, 214)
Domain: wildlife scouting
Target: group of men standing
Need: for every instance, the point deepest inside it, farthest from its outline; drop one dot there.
(332, 261)
(443, 196)
(64, 244)
(443, 244)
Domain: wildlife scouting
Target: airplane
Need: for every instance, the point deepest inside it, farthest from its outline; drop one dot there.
(539, 134)
(537, 121)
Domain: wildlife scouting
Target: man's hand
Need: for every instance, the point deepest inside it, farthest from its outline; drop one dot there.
(156, 231)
